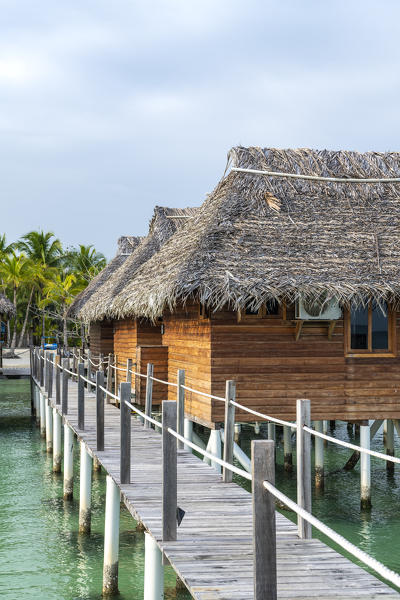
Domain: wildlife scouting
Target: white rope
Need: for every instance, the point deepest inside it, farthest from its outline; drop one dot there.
(335, 537)
(268, 418)
(213, 458)
(118, 368)
(109, 393)
(351, 446)
(316, 177)
(142, 414)
(184, 387)
(165, 382)
(87, 380)
(138, 374)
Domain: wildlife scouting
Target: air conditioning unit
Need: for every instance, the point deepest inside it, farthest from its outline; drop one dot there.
(318, 309)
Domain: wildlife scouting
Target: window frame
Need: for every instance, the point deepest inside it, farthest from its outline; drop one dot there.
(263, 314)
(369, 352)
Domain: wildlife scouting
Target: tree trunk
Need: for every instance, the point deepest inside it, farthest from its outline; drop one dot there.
(21, 337)
(8, 333)
(14, 337)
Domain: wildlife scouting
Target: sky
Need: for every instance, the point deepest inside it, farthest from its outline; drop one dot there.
(110, 107)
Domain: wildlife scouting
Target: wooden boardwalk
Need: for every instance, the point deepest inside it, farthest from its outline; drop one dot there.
(213, 554)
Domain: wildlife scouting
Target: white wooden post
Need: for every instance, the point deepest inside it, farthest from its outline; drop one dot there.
(111, 539)
(180, 399)
(319, 457)
(153, 570)
(68, 462)
(390, 445)
(303, 465)
(149, 394)
(365, 468)
(49, 427)
(188, 433)
(85, 490)
(56, 441)
(287, 449)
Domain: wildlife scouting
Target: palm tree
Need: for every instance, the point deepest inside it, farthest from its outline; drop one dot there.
(35, 276)
(85, 262)
(61, 290)
(41, 247)
(14, 271)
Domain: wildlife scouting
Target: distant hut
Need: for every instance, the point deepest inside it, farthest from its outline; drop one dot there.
(136, 338)
(101, 330)
(288, 285)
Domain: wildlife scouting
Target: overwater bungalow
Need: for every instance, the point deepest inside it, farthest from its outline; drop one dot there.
(286, 281)
(136, 338)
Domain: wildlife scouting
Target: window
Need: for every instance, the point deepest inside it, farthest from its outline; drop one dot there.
(370, 330)
(269, 309)
(204, 311)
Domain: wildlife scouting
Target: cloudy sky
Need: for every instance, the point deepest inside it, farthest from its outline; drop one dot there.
(108, 107)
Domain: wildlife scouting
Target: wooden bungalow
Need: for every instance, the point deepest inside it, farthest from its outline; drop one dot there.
(136, 338)
(289, 285)
(101, 330)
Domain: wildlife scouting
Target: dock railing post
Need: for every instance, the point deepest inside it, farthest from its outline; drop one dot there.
(125, 433)
(129, 371)
(111, 538)
(365, 467)
(50, 381)
(230, 394)
(180, 399)
(264, 528)
(81, 396)
(58, 391)
(303, 465)
(89, 370)
(319, 457)
(169, 470)
(41, 367)
(74, 364)
(64, 397)
(109, 377)
(100, 410)
(287, 449)
(149, 394)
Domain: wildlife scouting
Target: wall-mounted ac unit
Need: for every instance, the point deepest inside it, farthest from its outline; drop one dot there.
(318, 309)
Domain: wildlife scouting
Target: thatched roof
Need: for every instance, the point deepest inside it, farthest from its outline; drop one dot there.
(164, 223)
(258, 237)
(7, 308)
(126, 245)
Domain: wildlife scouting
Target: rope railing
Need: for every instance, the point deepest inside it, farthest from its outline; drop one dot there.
(108, 392)
(188, 389)
(351, 446)
(143, 415)
(261, 415)
(258, 414)
(368, 560)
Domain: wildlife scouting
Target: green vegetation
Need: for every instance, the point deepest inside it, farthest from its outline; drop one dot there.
(42, 278)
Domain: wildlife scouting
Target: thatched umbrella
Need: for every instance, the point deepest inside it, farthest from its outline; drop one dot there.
(164, 224)
(261, 237)
(7, 308)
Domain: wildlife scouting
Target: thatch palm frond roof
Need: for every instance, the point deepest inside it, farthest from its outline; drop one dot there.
(126, 245)
(164, 224)
(258, 237)
(7, 308)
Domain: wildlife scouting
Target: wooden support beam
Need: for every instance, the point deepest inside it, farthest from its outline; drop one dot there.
(229, 431)
(169, 478)
(125, 415)
(303, 465)
(100, 410)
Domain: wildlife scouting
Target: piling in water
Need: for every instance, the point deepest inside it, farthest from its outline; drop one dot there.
(365, 469)
(287, 449)
(68, 463)
(49, 428)
(319, 457)
(153, 570)
(85, 491)
(56, 441)
(111, 539)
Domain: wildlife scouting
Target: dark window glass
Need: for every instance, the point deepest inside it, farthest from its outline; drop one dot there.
(272, 307)
(380, 337)
(359, 328)
(251, 311)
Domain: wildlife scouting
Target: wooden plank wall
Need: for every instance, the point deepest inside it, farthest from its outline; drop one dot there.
(128, 335)
(158, 355)
(101, 337)
(271, 370)
(189, 347)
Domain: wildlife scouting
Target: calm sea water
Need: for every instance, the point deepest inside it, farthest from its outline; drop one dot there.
(41, 554)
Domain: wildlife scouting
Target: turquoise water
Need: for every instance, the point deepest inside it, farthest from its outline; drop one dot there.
(41, 554)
